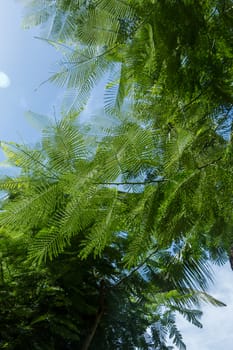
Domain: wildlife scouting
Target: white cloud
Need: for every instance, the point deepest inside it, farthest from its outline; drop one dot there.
(217, 321)
(4, 80)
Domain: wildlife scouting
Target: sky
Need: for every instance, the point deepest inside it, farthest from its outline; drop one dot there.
(25, 63)
(217, 332)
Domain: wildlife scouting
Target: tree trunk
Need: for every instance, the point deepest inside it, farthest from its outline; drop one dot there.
(89, 338)
(99, 315)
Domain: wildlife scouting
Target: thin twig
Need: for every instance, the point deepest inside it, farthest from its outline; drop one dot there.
(210, 163)
(134, 270)
(32, 158)
(130, 183)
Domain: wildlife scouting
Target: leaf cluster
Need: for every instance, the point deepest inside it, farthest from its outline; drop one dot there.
(129, 221)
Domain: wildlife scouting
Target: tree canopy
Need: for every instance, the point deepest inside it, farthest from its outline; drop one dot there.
(115, 233)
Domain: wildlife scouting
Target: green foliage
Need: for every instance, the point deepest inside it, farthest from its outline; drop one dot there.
(122, 229)
(181, 48)
(35, 310)
(97, 212)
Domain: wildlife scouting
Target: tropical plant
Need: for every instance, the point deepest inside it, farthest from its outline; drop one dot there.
(81, 209)
(142, 210)
(178, 48)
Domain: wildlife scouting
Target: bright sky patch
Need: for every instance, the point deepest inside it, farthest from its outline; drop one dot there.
(4, 80)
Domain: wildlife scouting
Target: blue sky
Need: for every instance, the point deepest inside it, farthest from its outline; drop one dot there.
(217, 323)
(28, 62)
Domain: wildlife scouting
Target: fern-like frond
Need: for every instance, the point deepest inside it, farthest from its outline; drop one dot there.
(176, 336)
(27, 158)
(192, 316)
(78, 214)
(140, 233)
(207, 298)
(93, 32)
(48, 243)
(129, 154)
(34, 209)
(119, 90)
(38, 121)
(80, 71)
(176, 147)
(38, 12)
(180, 186)
(64, 146)
(117, 8)
(100, 235)
(13, 184)
(57, 23)
(98, 27)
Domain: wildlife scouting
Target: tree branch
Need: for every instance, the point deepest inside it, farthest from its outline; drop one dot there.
(99, 315)
(134, 270)
(131, 183)
(210, 163)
